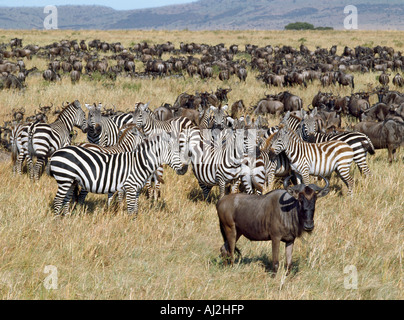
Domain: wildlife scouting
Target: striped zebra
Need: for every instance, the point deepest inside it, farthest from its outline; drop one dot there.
(44, 139)
(104, 173)
(359, 142)
(314, 158)
(144, 119)
(19, 146)
(104, 130)
(129, 139)
(215, 162)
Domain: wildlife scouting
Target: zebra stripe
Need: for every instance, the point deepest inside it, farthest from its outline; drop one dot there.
(108, 173)
(44, 139)
(314, 158)
(103, 130)
(215, 162)
(129, 139)
(359, 142)
(144, 118)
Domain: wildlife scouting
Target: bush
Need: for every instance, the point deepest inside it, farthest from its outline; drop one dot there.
(305, 26)
(299, 26)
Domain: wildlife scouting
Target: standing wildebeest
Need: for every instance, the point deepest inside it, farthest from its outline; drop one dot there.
(387, 134)
(280, 215)
(384, 79)
(242, 74)
(345, 79)
(398, 80)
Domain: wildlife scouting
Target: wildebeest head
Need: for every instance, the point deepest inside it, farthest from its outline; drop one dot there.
(306, 196)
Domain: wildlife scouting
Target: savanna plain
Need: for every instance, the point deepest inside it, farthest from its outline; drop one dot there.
(171, 251)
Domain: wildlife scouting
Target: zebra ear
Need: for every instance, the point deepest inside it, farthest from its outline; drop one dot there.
(145, 106)
(225, 107)
(88, 106)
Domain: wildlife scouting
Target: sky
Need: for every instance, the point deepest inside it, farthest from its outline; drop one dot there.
(116, 4)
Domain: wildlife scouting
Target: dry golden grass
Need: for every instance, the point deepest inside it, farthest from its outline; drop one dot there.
(171, 251)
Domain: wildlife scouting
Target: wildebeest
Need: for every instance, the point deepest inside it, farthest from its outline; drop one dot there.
(266, 106)
(398, 80)
(280, 215)
(387, 134)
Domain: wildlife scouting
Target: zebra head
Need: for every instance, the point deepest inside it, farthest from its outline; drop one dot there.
(219, 117)
(309, 127)
(175, 148)
(94, 123)
(79, 120)
(140, 113)
(278, 141)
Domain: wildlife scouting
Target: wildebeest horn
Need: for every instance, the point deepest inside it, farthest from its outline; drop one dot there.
(321, 192)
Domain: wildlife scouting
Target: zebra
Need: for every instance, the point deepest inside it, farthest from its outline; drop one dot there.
(359, 142)
(144, 119)
(103, 130)
(19, 146)
(103, 173)
(44, 139)
(217, 163)
(314, 158)
(130, 138)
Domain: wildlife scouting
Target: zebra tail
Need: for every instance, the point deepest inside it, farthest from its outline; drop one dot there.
(369, 147)
(31, 131)
(258, 186)
(14, 152)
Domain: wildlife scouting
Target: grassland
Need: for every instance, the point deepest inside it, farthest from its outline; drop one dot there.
(171, 251)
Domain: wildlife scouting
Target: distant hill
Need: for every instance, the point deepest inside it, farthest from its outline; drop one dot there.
(214, 15)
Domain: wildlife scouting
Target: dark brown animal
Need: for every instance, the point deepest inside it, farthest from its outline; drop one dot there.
(280, 215)
(388, 134)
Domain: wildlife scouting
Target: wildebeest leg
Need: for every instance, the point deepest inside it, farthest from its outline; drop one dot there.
(230, 236)
(275, 254)
(288, 251)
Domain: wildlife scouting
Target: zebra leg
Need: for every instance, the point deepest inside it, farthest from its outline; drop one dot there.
(132, 199)
(30, 166)
(82, 196)
(62, 198)
(362, 164)
(38, 168)
(18, 164)
(346, 178)
(206, 191)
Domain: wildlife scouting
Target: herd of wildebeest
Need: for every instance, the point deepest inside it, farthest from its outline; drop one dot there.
(283, 214)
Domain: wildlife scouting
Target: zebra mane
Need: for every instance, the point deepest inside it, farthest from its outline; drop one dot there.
(125, 131)
(64, 108)
(269, 139)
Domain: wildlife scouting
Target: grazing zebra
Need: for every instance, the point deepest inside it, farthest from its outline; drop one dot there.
(44, 139)
(359, 142)
(314, 158)
(215, 162)
(103, 173)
